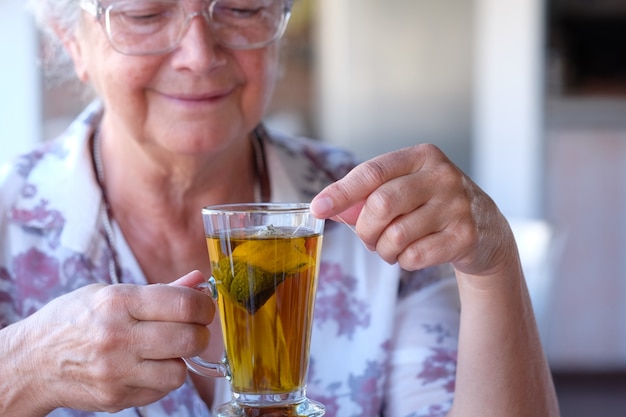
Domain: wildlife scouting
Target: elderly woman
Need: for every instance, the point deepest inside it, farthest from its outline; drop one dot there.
(113, 204)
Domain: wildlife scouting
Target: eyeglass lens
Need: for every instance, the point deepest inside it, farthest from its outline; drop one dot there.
(156, 26)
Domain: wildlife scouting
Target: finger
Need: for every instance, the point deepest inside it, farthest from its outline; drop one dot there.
(116, 386)
(351, 215)
(402, 231)
(388, 204)
(441, 232)
(167, 340)
(190, 280)
(359, 183)
(430, 250)
(163, 303)
(159, 376)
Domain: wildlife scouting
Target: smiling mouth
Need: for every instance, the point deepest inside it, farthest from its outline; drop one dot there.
(200, 98)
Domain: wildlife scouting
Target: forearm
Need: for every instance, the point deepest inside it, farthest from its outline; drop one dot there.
(502, 369)
(21, 391)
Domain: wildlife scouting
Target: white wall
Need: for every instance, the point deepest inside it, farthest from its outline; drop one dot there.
(463, 74)
(508, 104)
(20, 86)
(394, 73)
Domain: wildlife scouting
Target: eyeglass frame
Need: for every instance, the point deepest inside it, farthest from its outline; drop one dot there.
(96, 9)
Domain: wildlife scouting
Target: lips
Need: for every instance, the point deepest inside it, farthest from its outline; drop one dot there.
(211, 96)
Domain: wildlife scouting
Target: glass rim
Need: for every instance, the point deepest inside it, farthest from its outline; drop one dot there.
(247, 208)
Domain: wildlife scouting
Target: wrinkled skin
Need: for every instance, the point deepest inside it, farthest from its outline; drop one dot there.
(416, 208)
(108, 347)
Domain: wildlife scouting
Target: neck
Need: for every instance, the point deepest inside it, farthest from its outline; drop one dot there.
(173, 182)
(158, 209)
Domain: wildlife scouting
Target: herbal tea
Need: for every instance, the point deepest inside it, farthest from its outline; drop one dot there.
(266, 280)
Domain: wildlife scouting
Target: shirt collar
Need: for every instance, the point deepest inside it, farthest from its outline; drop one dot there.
(66, 180)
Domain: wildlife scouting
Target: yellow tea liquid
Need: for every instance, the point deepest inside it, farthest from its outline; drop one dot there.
(266, 283)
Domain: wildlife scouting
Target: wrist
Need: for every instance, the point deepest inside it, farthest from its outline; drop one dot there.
(22, 388)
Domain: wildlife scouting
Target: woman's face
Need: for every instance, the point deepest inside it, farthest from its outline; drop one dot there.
(196, 98)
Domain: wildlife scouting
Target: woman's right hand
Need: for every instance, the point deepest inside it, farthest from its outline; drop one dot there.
(103, 348)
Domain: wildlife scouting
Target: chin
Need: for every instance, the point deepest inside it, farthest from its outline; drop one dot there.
(194, 145)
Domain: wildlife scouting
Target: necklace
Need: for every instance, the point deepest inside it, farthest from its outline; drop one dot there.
(115, 269)
(263, 191)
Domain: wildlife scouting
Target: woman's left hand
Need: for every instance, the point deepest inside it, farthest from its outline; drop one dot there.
(415, 207)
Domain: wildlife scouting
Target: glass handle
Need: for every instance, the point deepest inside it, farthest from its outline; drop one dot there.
(199, 365)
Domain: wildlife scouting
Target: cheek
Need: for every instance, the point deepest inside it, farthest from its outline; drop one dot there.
(262, 76)
(122, 78)
(271, 78)
(112, 73)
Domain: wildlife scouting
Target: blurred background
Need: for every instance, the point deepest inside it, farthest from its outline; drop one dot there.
(527, 96)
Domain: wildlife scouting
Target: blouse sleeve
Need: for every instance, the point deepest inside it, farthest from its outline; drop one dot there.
(424, 350)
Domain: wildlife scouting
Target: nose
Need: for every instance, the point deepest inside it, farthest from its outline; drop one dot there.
(198, 49)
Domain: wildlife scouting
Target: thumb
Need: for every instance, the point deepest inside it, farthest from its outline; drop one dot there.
(322, 207)
(190, 280)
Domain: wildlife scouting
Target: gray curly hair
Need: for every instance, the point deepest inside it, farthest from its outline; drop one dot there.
(55, 19)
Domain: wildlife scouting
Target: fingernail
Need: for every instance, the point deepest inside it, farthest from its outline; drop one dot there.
(321, 206)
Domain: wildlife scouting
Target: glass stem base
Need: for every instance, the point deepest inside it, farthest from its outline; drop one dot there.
(303, 408)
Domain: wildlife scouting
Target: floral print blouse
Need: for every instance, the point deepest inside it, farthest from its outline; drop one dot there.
(384, 340)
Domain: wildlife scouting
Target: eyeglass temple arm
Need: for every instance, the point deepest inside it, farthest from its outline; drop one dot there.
(92, 7)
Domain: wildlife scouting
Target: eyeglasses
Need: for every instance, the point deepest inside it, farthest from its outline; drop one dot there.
(151, 27)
